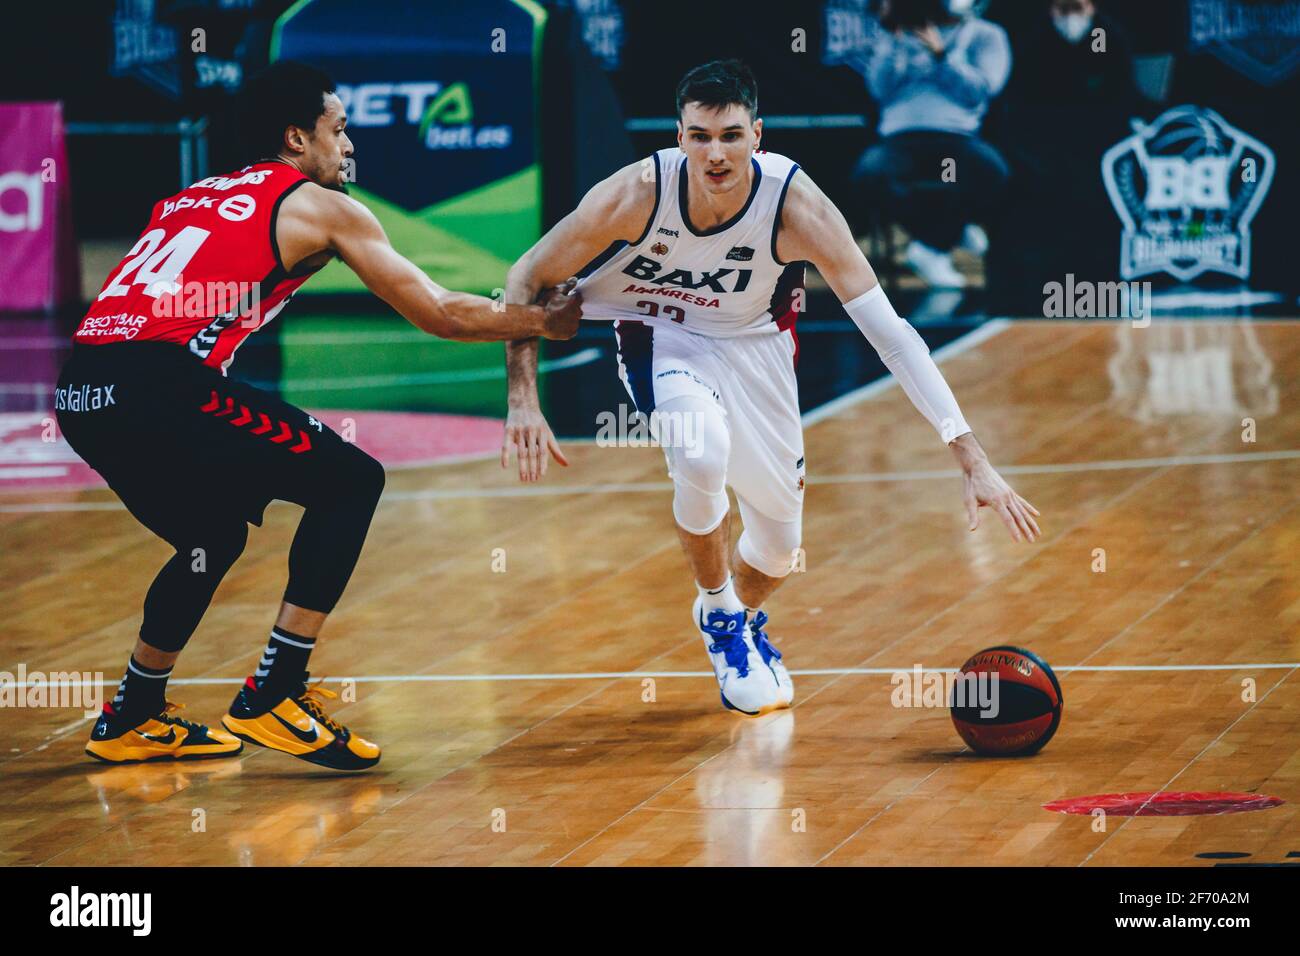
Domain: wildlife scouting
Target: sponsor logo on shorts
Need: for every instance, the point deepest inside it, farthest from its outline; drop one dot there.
(84, 398)
(669, 373)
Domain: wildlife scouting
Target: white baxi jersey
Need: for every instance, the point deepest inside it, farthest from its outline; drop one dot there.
(723, 281)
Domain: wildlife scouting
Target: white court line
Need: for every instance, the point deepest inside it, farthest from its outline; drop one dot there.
(393, 380)
(446, 377)
(637, 675)
(561, 491)
(32, 471)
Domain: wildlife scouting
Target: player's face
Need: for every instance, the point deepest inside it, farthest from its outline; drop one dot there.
(328, 146)
(718, 144)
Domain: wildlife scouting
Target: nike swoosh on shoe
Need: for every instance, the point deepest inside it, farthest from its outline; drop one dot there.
(169, 739)
(298, 732)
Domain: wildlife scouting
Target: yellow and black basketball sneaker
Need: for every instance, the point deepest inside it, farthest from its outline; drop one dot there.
(159, 738)
(295, 723)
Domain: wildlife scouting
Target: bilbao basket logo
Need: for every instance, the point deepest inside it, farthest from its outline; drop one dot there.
(1186, 188)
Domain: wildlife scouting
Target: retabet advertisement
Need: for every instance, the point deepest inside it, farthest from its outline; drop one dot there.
(1186, 188)
(441, 104)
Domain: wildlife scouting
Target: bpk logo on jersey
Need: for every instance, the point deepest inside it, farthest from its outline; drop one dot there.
(1186, 188)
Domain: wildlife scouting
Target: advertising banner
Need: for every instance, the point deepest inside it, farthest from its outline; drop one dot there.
(442, 103)
(39, 267)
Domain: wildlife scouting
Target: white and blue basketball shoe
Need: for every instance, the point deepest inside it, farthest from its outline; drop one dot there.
(747, 684)
(771, 658)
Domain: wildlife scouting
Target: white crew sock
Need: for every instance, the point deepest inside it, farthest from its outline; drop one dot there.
(721, 598)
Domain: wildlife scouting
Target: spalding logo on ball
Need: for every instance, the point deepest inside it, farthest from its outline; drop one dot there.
(1024, 708)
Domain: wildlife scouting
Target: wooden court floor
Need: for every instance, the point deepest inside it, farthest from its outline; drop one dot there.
(513, 706)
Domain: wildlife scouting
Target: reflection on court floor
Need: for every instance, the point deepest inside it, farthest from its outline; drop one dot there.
(525, 657)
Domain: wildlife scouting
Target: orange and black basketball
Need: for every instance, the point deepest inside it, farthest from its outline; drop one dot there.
(1006, 702)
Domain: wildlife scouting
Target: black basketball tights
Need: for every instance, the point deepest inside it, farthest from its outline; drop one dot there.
(340, 502)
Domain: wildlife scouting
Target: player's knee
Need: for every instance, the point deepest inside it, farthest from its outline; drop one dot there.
(698, 444)
(359, 478)
(771, 547)
(371, 478)
(216, 548)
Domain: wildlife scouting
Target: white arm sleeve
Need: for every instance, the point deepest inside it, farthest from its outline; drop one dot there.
(906, 356)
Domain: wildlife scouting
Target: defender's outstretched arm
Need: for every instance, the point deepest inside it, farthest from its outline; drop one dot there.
(814, 230)
(617, 208)
(313, 220)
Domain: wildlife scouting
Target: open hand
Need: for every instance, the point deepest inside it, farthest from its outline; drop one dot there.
(985, 488)
(532, 439)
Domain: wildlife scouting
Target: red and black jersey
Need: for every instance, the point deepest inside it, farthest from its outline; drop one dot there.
(206, 273)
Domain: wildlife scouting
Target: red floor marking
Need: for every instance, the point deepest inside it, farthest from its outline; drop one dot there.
(398, 439)
(1165, 804)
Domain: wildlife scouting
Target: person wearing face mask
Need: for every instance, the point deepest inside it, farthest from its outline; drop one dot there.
(1074, 55)
(1073, 19)
(934, 70)
(1069, 100)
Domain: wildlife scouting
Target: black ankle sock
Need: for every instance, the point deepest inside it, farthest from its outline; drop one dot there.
(284, 661)
(142, 693)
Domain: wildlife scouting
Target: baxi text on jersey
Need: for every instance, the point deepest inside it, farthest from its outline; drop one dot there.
(647, 270)
(83, 398)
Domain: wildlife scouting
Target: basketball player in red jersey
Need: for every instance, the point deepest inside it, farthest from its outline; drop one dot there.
(697, 255)
(195, 457)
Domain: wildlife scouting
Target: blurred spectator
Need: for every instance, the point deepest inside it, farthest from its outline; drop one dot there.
(934, 70)
(1071, 57)
(1069, 101)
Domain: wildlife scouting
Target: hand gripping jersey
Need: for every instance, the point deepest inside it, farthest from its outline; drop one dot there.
(206, 272)
(723, 281)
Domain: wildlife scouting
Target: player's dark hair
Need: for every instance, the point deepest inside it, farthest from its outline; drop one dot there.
(286, 93)
(717, 84)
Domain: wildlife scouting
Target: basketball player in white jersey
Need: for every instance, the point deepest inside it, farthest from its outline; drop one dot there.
(697, 254)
